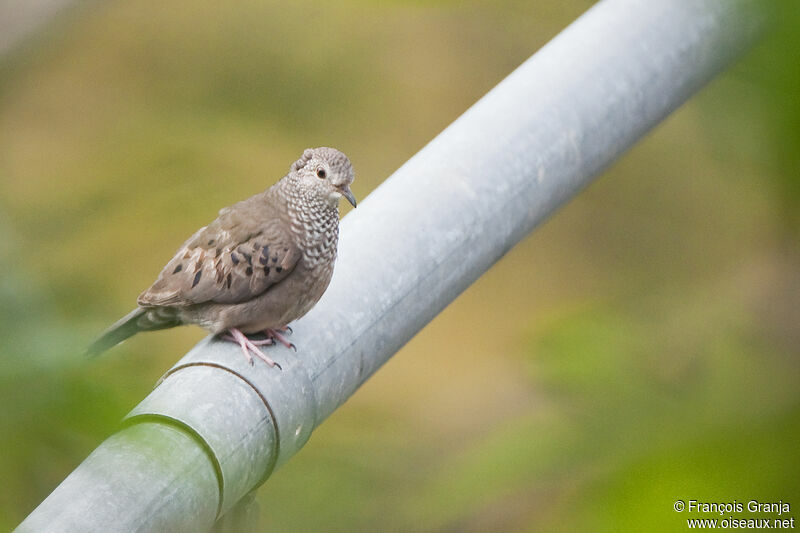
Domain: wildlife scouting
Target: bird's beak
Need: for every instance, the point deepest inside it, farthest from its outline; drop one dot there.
(347, 193)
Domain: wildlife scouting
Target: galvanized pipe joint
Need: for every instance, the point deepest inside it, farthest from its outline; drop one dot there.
(239, 429)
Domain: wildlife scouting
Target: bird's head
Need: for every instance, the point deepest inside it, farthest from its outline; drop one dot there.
(326, 172)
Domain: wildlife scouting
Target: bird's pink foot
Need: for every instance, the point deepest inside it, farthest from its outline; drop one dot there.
(263, 342)
(249, 346)
(277, 334)
(257, 342)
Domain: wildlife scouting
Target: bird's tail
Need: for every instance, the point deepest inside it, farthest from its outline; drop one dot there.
(140, 319)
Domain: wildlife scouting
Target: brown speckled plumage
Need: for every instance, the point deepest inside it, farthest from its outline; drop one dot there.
(261, 264)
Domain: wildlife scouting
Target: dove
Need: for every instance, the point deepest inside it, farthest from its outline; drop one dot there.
(261, 264)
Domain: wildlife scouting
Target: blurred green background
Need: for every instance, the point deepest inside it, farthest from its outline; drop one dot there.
(640, 347)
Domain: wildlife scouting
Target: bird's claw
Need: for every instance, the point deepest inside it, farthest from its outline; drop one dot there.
(249, 347)
(277, 335)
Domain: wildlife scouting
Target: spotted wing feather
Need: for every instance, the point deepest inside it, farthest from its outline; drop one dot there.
(232, 260)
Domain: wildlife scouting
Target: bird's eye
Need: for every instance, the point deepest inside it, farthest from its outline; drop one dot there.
(321, 173)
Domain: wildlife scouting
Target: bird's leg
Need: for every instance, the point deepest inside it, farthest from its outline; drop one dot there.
(257, 342)
(277, 334)
(263, 342)
(249, 346)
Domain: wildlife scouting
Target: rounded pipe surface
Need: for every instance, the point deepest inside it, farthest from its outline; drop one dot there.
(226, 414)
(287, 395)
(146, 477)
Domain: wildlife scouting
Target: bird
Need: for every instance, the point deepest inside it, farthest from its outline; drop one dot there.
(261, 264)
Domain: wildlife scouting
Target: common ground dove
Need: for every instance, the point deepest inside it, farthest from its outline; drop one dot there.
(261, 264)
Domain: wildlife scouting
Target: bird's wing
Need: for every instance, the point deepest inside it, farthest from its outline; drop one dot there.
(232, 260)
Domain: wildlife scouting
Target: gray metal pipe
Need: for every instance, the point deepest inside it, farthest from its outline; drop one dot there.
(215, 428)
